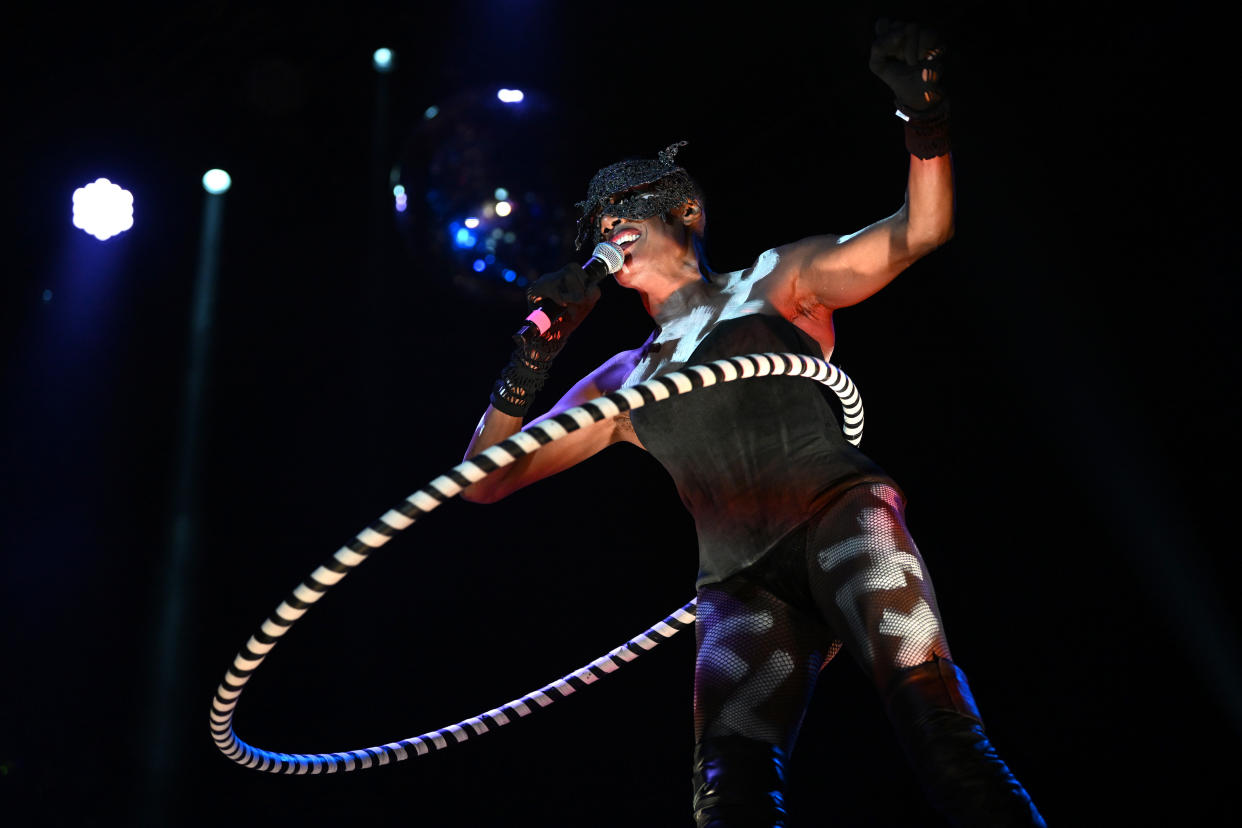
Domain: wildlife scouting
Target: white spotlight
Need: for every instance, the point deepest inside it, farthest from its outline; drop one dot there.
(382, 60)
(103, 209)
(217, 181)
(510, 95)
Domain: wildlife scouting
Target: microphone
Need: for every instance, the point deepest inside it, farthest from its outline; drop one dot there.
(605, 260)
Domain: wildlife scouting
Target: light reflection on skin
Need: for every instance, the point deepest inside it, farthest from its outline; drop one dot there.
(680, 335)
(687, 316)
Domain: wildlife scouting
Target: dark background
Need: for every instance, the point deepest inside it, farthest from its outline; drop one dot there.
(1055, 390)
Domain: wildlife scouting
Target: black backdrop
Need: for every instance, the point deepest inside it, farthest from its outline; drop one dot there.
(1055, 390)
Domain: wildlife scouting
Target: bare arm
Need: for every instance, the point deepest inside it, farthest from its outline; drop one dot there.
(555, 457)
(824, 273)
(836, 272)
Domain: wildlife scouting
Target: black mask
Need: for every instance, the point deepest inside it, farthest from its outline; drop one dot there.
(636, 189)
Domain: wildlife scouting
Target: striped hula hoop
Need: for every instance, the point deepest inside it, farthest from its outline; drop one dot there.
(447, 486)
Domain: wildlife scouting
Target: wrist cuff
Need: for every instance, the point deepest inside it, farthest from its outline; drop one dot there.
(927, 133)
(519, 382)
(504, 406)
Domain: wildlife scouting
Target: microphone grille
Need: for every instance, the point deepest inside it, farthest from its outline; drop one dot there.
(611, 255)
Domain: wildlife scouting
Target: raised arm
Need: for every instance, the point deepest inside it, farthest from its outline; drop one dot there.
(838, 271)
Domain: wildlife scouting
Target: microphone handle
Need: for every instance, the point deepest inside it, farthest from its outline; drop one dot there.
(540, 320)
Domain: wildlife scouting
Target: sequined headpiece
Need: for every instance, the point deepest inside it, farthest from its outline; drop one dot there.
(635, 189)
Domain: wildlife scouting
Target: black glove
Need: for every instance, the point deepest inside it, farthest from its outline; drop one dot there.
(566, 300)
(566, 288)
(909, 58)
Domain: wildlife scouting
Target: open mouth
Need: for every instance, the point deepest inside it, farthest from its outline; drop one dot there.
(625, 239)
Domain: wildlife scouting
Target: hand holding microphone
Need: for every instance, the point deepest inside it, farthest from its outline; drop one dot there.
(559, 301)
(559, 297)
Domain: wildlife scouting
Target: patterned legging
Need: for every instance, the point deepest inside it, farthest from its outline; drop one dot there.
(851, 577)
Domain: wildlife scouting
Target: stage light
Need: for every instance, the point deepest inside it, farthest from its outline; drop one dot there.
(501, 194)
(471, 222)
(509, 275)
(510, 95)
(462, 237)
(217, 181)
(382, 60)
(103, 209)
(431, 112)
(503, 208)
(401, 201)
(479, 265)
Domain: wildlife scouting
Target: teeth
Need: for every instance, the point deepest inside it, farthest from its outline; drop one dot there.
(625, 238)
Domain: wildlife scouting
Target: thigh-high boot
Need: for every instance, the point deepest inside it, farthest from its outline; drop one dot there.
(940, 729)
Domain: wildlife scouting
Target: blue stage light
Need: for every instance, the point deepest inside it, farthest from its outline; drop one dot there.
(463, 238)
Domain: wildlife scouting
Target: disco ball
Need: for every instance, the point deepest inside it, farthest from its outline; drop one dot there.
(483, 196)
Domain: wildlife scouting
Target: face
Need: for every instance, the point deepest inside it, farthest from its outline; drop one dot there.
(648, 244)
(655, 243)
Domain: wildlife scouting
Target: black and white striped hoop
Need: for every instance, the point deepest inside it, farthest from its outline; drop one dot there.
(447, 486)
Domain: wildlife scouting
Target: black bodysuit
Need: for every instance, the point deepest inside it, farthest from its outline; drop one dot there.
(755, 458)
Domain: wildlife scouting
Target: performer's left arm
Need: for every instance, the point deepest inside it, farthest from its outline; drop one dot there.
(829, 272)
(836, 272)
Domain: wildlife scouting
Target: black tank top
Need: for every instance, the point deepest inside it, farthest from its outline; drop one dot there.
(752, 459)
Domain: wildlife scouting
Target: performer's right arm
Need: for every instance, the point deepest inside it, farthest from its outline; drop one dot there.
(566, 297)
(556, 456)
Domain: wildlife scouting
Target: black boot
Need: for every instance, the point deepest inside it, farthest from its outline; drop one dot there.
(939, 726)
(738, 783)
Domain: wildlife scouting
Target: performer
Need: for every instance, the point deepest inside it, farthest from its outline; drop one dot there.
(803, 546)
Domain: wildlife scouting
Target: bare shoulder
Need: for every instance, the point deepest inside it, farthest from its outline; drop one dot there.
(786, 287)
(802, 253)
(774, 274)
(613, 373)
(608, 377)
(796, 252)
